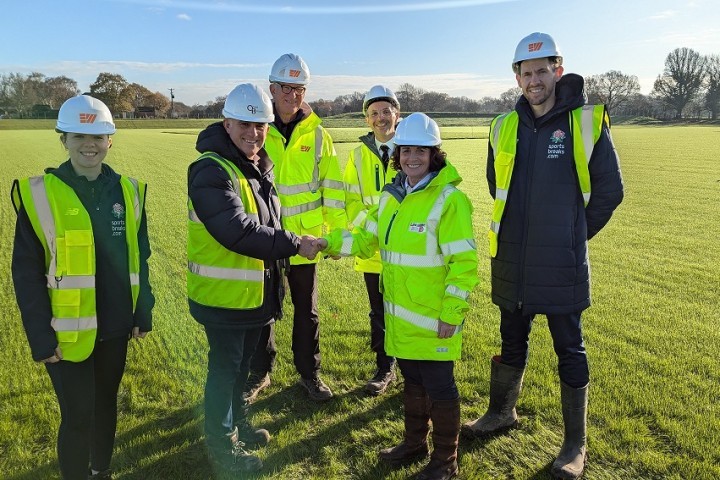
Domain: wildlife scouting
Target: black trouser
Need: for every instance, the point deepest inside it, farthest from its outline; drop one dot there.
(436, 377)
(377, 322)
(302, 280)
(228, 367)
(87, 395)
(566, 331)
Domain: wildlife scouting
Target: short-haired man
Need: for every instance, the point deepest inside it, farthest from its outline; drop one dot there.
(309, 184)
(367, 171)
(555, 177)
(234, 278)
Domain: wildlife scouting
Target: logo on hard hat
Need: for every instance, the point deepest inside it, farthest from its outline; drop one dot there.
(534, 47)
(252, 109)
(294, 73)
(87, 117)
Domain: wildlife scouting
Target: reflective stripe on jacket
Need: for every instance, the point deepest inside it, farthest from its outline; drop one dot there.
(216, 276)
(365, 176)
(588, 120)
(308, 180)
(429, 263)
(64, 229)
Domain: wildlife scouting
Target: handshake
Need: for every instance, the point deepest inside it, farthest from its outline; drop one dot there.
(311, 246)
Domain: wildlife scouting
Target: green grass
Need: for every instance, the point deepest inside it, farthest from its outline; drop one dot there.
(652, 335)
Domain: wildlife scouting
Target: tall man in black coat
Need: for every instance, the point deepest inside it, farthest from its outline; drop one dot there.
(544, 215)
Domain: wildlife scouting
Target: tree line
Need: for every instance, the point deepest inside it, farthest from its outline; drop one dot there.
(689, 87)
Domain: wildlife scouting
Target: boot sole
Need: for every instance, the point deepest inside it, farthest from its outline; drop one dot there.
(470, 434)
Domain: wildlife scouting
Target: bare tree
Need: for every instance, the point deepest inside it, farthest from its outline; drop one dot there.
(681, 80)
(433, 102)
(509, 98)
(612, 89)
(409, 97)
(712, 84)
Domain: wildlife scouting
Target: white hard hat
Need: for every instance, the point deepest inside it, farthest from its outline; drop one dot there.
(290, 68)
(379, 93)
(535, 45)
(248, 103)
(417, 129)
(85, 114)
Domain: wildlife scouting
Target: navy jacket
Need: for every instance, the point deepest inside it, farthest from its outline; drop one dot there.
(222, 213)
(542, 262)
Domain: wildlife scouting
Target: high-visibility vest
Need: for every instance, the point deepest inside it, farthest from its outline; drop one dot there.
(586, 125)
(216, 276)
(419, 285)
(365, 176)
(64, 229)
(308, 180)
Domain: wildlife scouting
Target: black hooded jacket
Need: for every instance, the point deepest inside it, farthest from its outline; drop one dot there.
(542, 262)
(222, 212)
(113, 295)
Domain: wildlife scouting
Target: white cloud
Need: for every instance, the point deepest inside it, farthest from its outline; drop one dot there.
(665, 14)
(184, 16)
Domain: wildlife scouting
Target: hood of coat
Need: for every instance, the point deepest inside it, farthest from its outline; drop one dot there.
(569, 95)
(66, 173)
(446, 175)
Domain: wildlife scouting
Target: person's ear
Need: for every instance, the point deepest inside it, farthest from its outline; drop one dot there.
(559, 71)
(109, 143)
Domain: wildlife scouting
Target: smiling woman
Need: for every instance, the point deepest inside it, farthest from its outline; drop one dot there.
(81, 279)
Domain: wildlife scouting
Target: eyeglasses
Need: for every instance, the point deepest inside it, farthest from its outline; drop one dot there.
(380, 113)
(300, 90)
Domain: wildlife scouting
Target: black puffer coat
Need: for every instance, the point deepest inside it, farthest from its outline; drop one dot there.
(542, 262)
(223, 214)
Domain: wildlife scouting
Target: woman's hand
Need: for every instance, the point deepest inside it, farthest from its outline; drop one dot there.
(445, 330)
(55, 358)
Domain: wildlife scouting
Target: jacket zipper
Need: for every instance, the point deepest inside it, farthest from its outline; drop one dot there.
(531, 167)
(377, 177)
(387, 234)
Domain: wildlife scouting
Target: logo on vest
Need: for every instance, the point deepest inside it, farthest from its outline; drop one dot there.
(441, 349)
(418, 227)
(118, 226)
(556, 147)
(72, 211)
(304, 148)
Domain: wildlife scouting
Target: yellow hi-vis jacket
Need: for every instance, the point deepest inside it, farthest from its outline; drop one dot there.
(586, 125)
(365, 176)
(63, 227)
(308, 180)
(216, 276)
(429, 263)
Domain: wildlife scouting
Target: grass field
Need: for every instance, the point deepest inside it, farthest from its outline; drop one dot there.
(653, 335)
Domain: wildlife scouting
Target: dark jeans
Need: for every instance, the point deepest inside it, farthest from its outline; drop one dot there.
(436, 377)
(302, 280)
(377, 321)
(566, 331)
(228, 367)
(87, 395)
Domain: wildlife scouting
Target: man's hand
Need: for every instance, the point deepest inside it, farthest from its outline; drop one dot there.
(55, 358)
(445, 330)
(308, 247)
(137, 334)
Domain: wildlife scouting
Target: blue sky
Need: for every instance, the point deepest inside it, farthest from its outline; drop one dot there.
(202, 49)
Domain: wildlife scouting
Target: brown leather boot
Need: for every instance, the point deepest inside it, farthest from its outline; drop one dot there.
(417, 416)
(445, 415)
(505, 385)
(570, 463)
